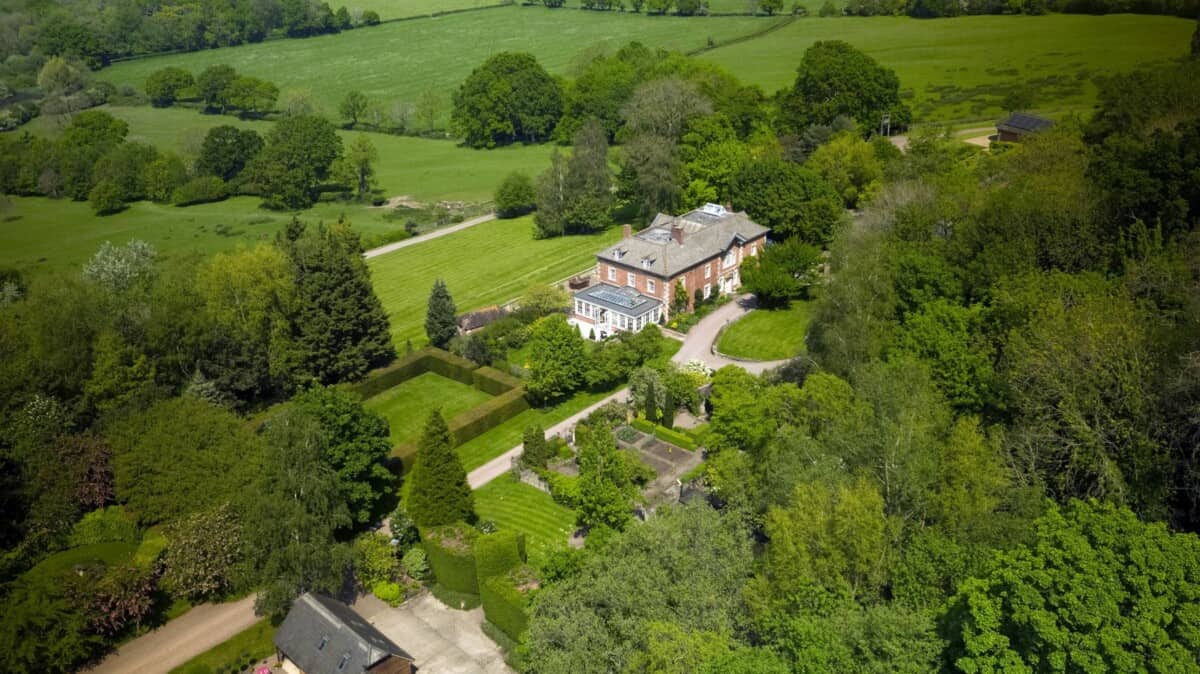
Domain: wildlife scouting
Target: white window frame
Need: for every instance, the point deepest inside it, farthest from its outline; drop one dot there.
(707, 290)
(708, 270)
(612, 273)
(631, 279)
(753, 249)
(650, 285)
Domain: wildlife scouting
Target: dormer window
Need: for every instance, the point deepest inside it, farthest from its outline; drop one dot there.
(618, 253)
(646, 262)
(321, 646)
(343, 661)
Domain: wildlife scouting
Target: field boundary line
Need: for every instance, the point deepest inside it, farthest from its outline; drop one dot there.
(784, 21)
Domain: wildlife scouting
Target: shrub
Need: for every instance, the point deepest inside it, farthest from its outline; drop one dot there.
(374, 559)
(370, 18)
(154, 542)
(515, 196)
(416, 564)
(106, 198)
(389, 592)
(106, 525)
(564, 489)
(200, 190)
(451, 554)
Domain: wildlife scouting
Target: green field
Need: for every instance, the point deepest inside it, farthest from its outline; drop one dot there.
(957, 70)
(40, 233)
(519, 507)
(484, 265)
(400, 9)
(407, 406)
(399, 61)
(422, 168)
(768, 335)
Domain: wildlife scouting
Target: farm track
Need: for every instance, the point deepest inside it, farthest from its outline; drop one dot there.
(437, 233)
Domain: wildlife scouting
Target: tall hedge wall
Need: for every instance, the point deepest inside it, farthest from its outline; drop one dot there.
(496, 554)
(504, 605)
(495, 382)
(451, 553)
(482, 418)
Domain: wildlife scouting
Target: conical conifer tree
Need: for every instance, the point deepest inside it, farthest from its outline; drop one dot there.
(440, 493)
(441, 324)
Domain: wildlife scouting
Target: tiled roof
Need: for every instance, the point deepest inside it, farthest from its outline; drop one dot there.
(1021, 121)
(707, 232)
(621, 299)
(320, 632)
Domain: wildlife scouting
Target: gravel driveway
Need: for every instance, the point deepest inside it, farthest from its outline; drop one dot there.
(440, 639)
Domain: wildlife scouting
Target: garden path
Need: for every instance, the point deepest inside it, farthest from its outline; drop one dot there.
(442, 231)
(181, 639)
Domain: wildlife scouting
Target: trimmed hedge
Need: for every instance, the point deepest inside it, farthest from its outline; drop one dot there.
(400, 371)
(451, 553)
(493, 381)
(483, 418)
(504, 604)
(496, 554)
(509, 400)
(665, 434)
(564, 489)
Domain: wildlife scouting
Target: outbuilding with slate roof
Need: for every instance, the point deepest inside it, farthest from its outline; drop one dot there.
(324, 636)
(1020, 124)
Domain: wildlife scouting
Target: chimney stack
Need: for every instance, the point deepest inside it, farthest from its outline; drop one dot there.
(626, 231)
(677, 233)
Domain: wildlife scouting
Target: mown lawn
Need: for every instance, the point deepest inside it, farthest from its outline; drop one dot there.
(233, 655)
(399, 61)
(768, 335)
(407, 406)
(958, 70)
(519, 507)
(484, 265)
(483, 448)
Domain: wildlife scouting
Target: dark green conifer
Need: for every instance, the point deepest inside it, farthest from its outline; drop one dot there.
(440, 493)
(440, 318)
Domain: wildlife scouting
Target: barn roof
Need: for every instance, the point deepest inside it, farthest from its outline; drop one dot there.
(1022, 122)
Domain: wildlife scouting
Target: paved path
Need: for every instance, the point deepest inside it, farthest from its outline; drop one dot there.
(181, 639)
(391, 247)
(501, 464)
(699, 342)
(441, 640)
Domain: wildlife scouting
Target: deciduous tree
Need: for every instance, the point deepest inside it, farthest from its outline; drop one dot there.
(836, 79)
(557, 359)
(508, 98)
(163, 86)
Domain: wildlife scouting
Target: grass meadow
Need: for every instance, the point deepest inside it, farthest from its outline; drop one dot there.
(484, 265)
(958, 70)
(519, 507)
(400, 61)
(768, 335)
(407, 406)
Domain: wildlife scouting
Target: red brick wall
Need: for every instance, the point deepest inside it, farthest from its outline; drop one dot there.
(694, 277)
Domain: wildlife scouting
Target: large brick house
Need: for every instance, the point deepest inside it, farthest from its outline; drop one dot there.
(701, 250)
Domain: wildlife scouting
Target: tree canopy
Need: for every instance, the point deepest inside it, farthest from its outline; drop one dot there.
(509, 98)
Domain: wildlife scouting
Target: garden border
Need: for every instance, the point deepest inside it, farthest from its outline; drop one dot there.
(508, 391)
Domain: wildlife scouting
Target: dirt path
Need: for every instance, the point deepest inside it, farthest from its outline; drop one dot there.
(181, 639)
(391, 247)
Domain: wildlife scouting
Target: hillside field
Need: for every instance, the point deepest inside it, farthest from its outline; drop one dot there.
(958, 70)
(399, 61)
(37, 233)
(484, 265)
